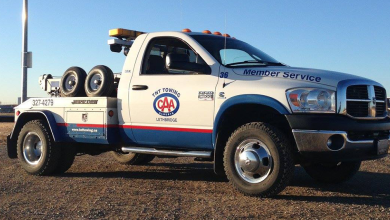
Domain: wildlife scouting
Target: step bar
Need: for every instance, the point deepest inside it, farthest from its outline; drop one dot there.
(144, 150)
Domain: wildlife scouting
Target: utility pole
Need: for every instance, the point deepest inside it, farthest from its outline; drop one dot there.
(25, 55)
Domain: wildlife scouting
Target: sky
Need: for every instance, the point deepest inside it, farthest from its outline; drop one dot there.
(351, 36)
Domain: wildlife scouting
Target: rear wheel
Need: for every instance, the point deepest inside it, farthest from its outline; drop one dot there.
(258, 160)
(132, 158)
(67, 156)
(37, 151)
(332, 172)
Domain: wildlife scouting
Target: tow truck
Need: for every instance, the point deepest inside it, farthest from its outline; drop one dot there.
(212, 97)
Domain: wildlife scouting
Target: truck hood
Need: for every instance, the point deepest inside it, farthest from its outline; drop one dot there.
(316, 76)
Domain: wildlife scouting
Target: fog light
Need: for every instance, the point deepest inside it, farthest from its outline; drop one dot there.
(335, 142)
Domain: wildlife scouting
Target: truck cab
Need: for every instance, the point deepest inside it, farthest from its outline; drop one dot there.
(212, 97)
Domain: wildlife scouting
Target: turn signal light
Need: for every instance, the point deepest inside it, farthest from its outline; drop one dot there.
(294, 99)
(17, 113)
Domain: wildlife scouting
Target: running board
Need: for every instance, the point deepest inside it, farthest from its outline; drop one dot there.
(144, 150)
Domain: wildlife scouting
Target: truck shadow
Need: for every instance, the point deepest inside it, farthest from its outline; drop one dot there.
(366, 188)
(159, 171)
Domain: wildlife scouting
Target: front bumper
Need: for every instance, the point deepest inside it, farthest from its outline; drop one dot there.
(313, 145)
(357, 139)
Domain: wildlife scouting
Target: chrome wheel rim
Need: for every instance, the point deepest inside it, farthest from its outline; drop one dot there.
(69, 82)
(253, 161)
(95, 81)
(32, 148)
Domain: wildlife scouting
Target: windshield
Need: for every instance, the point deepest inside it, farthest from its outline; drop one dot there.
(236, 53)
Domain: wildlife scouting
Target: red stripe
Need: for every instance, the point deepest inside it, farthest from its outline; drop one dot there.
(90, 125)
(168, 129)
(63, 124)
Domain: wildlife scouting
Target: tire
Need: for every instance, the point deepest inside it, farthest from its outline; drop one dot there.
(37, 151)
(72, 82)
(132, 158)
(332, 173)
(99, 82)
(263, 177)
(148, 158)
(67, 156)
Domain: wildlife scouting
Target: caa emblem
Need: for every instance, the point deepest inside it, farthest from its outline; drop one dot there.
(166, 104)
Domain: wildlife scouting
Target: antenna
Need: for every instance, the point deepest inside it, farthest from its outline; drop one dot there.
(224, 55)
(181, 14)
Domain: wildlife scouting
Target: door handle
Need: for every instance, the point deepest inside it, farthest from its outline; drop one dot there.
(140, 87)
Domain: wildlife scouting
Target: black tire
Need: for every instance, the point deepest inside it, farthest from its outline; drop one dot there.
(67, 156)
(99, 82)
(76, 76)
(279, 165)
(148, 158)
(332, 173)
(32, 134)
(132, 158)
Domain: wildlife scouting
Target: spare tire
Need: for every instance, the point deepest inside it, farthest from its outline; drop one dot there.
(72, 82)
(99, 82)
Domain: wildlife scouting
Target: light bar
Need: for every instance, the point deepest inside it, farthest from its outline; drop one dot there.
(124, 33)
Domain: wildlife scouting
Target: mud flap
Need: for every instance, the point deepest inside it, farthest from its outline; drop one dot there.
(11, 148)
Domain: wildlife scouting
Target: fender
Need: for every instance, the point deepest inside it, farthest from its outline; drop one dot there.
(246, 99)
(28, 115)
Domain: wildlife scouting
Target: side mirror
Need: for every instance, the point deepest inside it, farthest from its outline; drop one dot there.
(181, 62)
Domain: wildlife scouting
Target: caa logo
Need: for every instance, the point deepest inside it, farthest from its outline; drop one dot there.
(166, 104)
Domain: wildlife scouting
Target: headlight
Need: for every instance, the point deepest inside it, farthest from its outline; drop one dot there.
(312, 100)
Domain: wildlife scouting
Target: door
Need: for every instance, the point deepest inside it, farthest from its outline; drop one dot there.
(172, 108)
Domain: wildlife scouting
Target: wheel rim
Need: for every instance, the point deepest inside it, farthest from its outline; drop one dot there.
(69, 82)
(253, 161)
(95, 81)
(32, 148)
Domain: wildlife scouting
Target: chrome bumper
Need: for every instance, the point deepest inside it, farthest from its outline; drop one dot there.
(315, 141)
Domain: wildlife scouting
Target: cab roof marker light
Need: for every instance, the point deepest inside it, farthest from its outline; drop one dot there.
(226, 35)
(206, 32)
(186, 30)
(217, 33)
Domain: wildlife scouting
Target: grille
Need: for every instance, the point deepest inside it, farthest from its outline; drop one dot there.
(380, 109)
(357, 109)
(357, 92)
(380, 93)
(359, 101)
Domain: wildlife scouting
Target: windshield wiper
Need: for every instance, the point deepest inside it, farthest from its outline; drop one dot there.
(264, 63)
(245, 62)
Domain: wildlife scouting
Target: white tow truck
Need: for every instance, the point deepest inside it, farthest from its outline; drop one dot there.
(208, 96)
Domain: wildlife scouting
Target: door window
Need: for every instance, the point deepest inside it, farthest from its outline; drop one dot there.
(159, 48)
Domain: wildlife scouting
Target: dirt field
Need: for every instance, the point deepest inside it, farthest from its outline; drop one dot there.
(98, 187)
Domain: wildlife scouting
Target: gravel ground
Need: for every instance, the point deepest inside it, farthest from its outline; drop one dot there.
(98, 187)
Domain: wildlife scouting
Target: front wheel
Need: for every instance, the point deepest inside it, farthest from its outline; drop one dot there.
(258, 160)
(332, 172)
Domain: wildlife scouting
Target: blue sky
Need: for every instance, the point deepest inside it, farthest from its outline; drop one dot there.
(351, 36)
